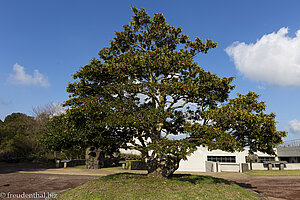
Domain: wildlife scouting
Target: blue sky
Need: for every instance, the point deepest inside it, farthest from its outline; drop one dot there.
(42, 43)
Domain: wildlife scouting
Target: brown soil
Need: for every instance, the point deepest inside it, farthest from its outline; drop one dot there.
(273, 187)
(276, 187)
(28, 178)
(37, 179)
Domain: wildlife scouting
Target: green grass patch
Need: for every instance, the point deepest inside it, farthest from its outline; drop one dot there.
(78, 167)
(273, 172)
(136, 186)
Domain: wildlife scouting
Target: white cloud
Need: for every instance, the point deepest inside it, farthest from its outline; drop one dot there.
(294, 126)
(273, 59)
(19, 77)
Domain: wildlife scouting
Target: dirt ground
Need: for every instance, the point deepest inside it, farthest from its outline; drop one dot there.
(273, 187)
(39, 180)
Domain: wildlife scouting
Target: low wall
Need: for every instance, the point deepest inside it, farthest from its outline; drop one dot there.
(229, 167)
(292, 166)
(243, 167)
(288, 166)
(210, 166)
(262, 166)
(225, 167)
(71, 163)
(259, 166)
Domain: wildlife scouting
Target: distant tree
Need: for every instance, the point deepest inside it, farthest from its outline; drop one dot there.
(60, 135)
(43, 113)
(71, 135)
(146, 87)
(17, 133)
(1, 131)
(18, 123)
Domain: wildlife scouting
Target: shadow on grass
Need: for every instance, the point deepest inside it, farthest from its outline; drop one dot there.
(124, 175)
(193, 179)
(246, 186)
(197, 179)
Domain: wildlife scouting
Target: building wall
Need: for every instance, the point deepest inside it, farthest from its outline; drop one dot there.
(130, 151)
(289, 151)
(292, 166)
(196, 162)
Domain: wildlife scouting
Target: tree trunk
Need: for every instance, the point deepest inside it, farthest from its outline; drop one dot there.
(94, 158)
(162, 166)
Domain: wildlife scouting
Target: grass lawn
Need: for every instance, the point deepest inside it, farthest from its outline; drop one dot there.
(273, 172)
(137, 186)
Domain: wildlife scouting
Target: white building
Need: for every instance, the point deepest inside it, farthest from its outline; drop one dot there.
(203, 160)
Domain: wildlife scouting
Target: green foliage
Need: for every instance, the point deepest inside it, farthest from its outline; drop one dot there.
(61, 136)
(241, 122)
(18, 146)
(70, 134)
(17, 135)
(146, 86)
(17, 124)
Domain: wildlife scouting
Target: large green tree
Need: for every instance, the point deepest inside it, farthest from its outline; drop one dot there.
(146, 87)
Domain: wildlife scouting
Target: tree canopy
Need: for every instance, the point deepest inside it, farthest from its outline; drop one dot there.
(145, 88)
(17, 136)
(72, 135)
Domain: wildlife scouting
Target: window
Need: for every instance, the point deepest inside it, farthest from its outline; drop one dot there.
(262, 159)
(228, 159)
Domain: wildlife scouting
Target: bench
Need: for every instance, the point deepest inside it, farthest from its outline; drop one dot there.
(124, 163)
(270, 164)
(65, 162)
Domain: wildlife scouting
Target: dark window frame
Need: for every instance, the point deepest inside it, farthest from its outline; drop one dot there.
(222, 159)
(261, 159)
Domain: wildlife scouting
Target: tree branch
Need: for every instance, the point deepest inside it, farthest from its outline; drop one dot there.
(140, 47)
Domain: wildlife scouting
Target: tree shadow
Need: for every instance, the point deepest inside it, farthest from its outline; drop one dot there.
(128, 175)
(198, 179)
(7, 167)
